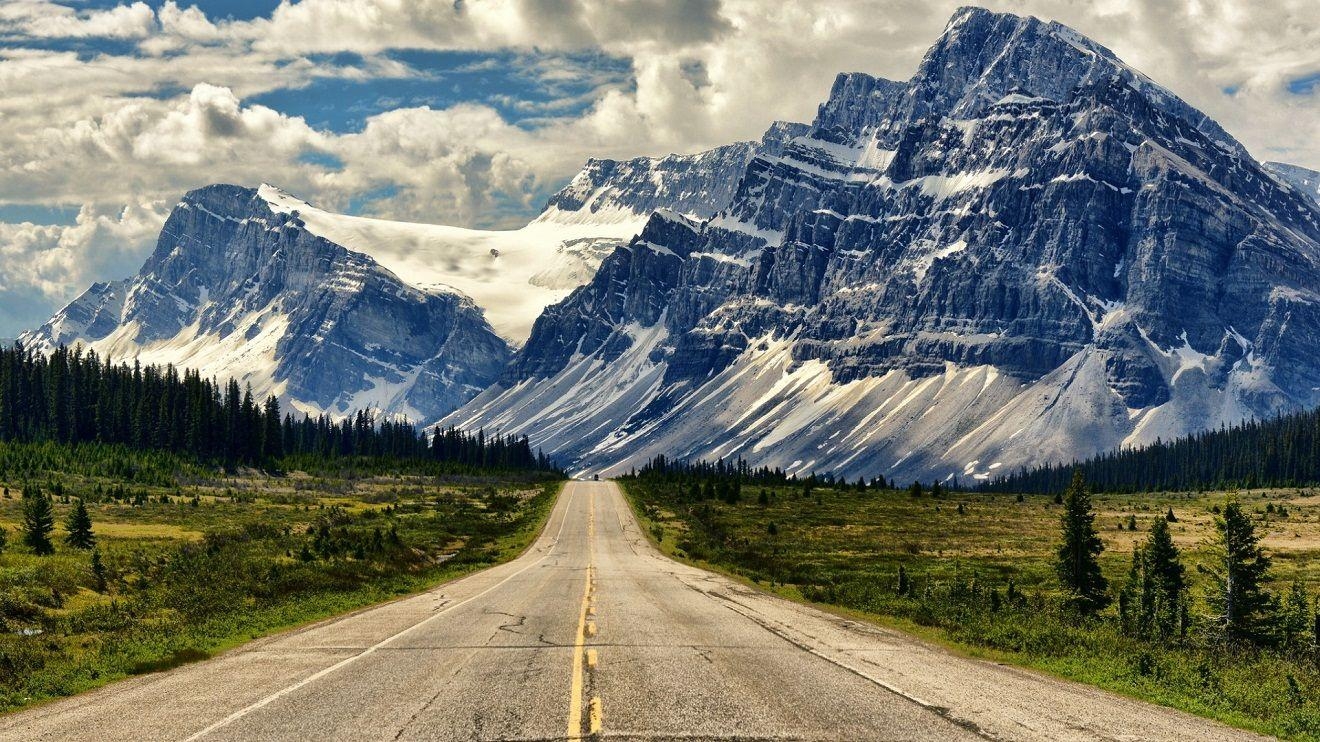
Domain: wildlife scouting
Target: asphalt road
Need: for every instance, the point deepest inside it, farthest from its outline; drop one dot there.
(593, 633)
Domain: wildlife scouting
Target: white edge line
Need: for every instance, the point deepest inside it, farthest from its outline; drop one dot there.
(372, 649)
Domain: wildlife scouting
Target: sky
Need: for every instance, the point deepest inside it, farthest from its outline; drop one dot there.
(472, 112)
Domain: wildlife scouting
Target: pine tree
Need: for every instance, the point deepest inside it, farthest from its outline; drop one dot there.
(38, 521)
(904, 585)
(1152, 602)
(1167, 581)
(1129, 596)
(79, 527)
(1295, 616)
(98, 571)
(915, 489)
(1241, 568)
(1077, 565)
(272, 444)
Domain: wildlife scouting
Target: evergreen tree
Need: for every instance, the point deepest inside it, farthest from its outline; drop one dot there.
(1152, 602)
(1243, 608)
(272, 443)
(4, 540)
(1077, 564)
(1167, 579)
(98, 571)
(79, 527)
(38, 521)
(915, 489)
(1295, 616)
(904, 585)
(1130, 595)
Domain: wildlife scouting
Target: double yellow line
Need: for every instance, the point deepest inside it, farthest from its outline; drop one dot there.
(584, 659)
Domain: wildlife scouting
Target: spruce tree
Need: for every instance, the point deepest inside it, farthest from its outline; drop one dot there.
(1295, 616)
(98, 571)
(1167, 581)
(1129, 597)
(1077, 564)
(38, 521)
(79, 527)
(1243, 608)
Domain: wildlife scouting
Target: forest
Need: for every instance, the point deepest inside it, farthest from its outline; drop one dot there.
(73, 396)
(1283, 451)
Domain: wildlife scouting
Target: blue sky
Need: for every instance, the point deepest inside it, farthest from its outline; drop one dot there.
(473, 112)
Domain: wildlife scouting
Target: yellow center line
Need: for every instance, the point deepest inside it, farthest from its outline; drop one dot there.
(584, 630)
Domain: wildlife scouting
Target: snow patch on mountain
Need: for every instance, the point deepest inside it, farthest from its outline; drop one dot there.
(511, 274)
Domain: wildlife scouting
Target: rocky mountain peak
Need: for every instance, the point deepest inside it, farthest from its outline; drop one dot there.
(1027, 252)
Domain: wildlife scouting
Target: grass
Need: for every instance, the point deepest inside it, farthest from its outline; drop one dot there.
(842, 548)
(205, 561)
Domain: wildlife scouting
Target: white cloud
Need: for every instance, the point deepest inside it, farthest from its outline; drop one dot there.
(49, 20)
(43, 266)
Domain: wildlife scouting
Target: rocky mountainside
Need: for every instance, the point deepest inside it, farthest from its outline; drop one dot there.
(336, 313)
(1027, 252)
(1303, 179)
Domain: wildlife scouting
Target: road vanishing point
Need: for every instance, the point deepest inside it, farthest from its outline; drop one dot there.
(593, 634)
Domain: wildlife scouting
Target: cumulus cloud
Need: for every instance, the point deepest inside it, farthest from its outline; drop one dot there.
(41, 264)
(34, 18)
(102, 128)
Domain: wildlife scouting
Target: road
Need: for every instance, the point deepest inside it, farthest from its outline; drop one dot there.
(592, 633)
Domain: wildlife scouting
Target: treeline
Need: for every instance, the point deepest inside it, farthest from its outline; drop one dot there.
(75, 397)
(1280, 452)
(723, 480)
(663, 468)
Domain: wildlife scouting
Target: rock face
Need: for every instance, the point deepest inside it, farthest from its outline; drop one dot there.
(1303, 179)
(699, 184)
(1028, 252)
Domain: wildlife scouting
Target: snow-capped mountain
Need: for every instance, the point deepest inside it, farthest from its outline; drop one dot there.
(1027, 252)
(236, 288)
(336, 313)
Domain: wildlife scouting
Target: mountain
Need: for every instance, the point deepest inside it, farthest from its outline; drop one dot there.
(238, 289)
(1028, 252)
(335, 313)
(1303, 179)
